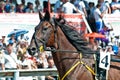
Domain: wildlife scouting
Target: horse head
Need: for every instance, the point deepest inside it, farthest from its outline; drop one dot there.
(44, 34)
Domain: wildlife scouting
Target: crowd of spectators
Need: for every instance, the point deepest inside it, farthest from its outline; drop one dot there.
(94, 15)
(93, 12)
(14, 55)
(9, 7)
(75, 6)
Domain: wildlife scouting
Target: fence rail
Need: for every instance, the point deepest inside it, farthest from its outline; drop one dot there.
(26, 72)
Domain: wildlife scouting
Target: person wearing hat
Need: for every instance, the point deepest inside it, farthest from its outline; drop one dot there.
(10, 42)
(13, 44)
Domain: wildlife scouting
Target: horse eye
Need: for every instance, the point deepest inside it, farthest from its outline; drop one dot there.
(45, 29)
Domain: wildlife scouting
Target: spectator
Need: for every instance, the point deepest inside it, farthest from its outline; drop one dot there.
(20, 9)
(50, 62)
(81, 6)
(13, 38)
(13, 43)
(30, 8)
(43, 59)
(27, 63)
(3, 41)
(12, 9)
(98, 17)
(105, 31)
(2, 7)
(22, 38)
(42, 62)
(23, 3)
(1, 57)
(58, 5)
(68, 8)
(91, 19)
(33, 61)
(26, 7)
(105, 7)
(115, 7)
(10, 59)
(51, 65)
(91, 9)
(38, 7)
(86, 4)
(7, 6)
(22, 50)
(116, 44)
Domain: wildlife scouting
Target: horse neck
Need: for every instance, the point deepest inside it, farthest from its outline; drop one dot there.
(63, 42)
(63, 60)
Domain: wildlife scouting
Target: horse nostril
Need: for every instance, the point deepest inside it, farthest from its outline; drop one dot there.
(32, 51)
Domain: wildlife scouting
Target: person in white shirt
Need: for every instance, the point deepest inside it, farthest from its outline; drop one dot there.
(68, 8)
(10, 59)
(98, 18)
(81, 6)
(105, 7)
(115, 7)
(38, 6)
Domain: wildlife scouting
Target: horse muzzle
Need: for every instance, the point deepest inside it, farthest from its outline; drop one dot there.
(32, 51)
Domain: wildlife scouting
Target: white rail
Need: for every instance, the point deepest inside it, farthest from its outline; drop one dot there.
(26, 72)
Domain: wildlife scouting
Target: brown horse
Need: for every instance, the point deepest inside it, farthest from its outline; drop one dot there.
(70, 64)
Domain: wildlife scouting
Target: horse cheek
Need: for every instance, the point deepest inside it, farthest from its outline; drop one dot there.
(51, 41)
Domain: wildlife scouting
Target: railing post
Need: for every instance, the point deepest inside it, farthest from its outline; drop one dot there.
(16, 75)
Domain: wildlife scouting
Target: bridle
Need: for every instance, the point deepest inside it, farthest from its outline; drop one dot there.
(43, 41)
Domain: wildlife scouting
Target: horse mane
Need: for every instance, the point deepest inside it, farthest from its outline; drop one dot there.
(72, 35)
(74, 38)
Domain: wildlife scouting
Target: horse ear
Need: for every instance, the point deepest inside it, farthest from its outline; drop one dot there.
(47, 16)
(40, 15)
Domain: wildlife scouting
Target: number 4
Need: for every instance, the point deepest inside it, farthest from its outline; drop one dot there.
(105, 61)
